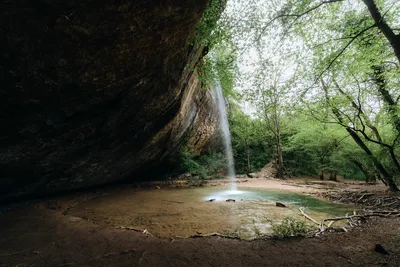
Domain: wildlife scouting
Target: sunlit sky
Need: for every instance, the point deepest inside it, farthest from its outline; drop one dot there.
(247, 19)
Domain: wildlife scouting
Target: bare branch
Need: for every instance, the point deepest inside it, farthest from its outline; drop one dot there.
(344, 49)
(330, 40)
(372, 140)
(296, 16)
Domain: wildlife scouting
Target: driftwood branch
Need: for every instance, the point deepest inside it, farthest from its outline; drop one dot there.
(136, 230)
(353, 220)
(210, 235)
(308, 217)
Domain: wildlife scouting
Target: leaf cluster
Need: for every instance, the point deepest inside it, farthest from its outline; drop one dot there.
(289, 227)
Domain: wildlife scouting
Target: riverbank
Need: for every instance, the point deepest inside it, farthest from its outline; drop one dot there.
(45, 233)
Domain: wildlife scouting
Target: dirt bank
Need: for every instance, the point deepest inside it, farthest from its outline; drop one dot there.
(39, 234)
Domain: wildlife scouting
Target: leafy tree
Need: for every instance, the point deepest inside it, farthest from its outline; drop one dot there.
(250, 144)
(322, 78)
(319, 142)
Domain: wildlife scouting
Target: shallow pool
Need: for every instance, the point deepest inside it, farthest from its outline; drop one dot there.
(187, 211)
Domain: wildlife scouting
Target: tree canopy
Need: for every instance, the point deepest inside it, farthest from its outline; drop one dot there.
(314, 86)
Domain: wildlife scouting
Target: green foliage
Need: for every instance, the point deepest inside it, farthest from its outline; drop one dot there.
(226, 69)
(283, 62)
(309, 146)
(312, 145)
(289, 227)
(220, 66)
(207, 32)
(251, 144)
(190, 165)
(206, 165)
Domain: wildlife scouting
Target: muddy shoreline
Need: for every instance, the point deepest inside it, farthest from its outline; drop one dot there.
(43, 233)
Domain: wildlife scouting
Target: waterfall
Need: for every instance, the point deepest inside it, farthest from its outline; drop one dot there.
(226, 135)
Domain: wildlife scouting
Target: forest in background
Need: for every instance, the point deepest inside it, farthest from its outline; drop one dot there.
(312, 86)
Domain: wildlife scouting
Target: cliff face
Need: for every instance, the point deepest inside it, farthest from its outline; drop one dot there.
(97, 91)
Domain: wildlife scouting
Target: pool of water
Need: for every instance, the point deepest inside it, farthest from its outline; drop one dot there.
(187, 211)
(285, 197)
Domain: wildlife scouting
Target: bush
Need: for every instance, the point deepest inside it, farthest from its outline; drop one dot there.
(206, 32)
(208, 164)
(289, 227)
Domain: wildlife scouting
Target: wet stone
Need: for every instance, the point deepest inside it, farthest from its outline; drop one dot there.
(279, 204)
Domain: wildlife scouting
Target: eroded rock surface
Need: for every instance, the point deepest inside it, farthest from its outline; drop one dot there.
(97, 91)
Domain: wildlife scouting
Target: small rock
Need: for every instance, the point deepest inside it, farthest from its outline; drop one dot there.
(380, 249)
(230, 200)
(279, 204)
(251, 175)
(74, 219)
(211, 200)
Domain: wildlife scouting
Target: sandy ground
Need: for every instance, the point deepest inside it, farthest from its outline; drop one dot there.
(169, 212)
(39, 234)
(310, 185)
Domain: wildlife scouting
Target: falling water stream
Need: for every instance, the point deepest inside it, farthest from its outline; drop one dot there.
(226, 135)
(182, 212)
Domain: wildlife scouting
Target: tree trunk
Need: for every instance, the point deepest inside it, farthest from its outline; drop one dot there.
(368, 176)
(248, 160)
(279, 167)
(332, 176)
(386, 96)
(378, 177)
(392, 108)
(280, 172)
(384, 27)
(394, 159)
(387, 176)
(360, 110)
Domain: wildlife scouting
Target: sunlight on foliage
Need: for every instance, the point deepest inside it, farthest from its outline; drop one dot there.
(313, 85)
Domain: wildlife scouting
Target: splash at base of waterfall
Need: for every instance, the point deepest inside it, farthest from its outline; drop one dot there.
(223, 195)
